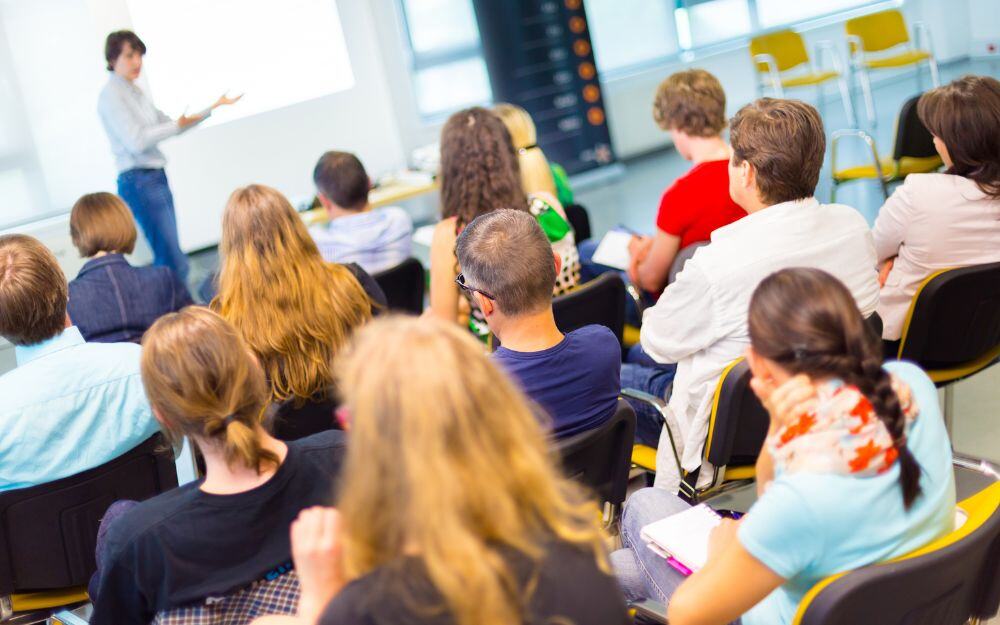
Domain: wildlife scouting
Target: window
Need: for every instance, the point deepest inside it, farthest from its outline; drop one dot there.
(704, 22)
(448, 68)
(771, 13)
(622, 39)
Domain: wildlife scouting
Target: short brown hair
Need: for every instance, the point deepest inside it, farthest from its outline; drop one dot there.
(116, 41)
(784, 141)
(33, 291)
(342, 178)
(965, 115)
(100, 222)
(691, 101)
(506, 254)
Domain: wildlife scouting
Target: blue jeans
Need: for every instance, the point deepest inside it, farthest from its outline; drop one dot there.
(642, 373)
(641, 572)
(148, 196)
(114, 512)
(590, 270)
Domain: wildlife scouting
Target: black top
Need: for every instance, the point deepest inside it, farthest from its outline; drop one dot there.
(295, 418)
(570, 589)
(185, 545)
(111, 301)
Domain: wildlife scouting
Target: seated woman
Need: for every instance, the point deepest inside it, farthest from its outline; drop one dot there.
(217, 550)
(951, 219)
(451, 511)
(480, 173)
(856, 467)
(110, 300)
(293, 309)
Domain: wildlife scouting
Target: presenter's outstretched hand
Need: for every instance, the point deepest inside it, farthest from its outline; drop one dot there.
(184, 121)
(226, 100)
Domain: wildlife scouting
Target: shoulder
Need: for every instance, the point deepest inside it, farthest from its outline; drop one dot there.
(139, 524)
(595, 335)
(395, 214)
(123, 355)
(844, 216)
(923, 389)
(445, 232)
(320, 442)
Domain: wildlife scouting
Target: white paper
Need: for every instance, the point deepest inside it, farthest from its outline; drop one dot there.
(684, 535)
(613, 250)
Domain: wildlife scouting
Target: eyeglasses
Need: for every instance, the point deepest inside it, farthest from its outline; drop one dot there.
(460, 281)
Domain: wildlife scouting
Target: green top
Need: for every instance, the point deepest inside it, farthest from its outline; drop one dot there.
(564, 193)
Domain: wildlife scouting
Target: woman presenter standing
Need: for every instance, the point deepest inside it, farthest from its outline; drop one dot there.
(135, 127)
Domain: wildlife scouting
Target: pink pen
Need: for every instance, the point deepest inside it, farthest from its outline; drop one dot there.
(680, 567)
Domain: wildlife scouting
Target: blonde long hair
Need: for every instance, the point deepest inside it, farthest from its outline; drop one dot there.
(536, 174)
(204, 383)
(447, 460)
(293, 309)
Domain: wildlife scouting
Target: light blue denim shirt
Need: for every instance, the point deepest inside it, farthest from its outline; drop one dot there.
(134, 125)
(69, 406)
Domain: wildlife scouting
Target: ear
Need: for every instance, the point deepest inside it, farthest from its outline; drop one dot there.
(159, 418)
(324, 201)
(758, 367)
(558, 263)
(486, 305)
(748, 176)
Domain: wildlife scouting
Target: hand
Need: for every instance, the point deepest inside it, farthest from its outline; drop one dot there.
(787, 402)
(638, 250)
(226, 100)
(883, 272)
(316, 550)
(721, 537)
(185, 121)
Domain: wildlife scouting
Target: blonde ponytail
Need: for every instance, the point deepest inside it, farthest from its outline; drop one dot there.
(536, 174)
(204, 383)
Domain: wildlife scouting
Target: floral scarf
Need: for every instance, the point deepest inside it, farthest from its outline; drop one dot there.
(840, 435)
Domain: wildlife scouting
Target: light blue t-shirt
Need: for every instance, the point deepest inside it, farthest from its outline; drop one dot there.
(70, 406)
(377, 240)
(808, 526)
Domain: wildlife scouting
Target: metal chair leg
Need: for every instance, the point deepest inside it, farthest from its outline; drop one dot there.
(866, 89)
(949, 410)
(845, 95)
(935, 77)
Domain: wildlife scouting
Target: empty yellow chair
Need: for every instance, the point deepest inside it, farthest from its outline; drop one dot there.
(873, 42)
(782, 62)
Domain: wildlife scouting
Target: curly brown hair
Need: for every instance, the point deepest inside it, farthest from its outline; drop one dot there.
(691, 101)
(479, 168)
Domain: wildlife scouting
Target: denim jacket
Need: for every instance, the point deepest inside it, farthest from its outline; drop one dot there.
(111, 301)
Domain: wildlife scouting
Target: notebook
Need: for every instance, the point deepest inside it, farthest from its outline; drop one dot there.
(683, 537)
(612, 251)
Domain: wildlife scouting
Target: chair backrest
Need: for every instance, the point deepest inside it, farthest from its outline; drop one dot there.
(600, 458)
(954, 318)
(786, 46)
(937, 585)
(48, 532)
(600, 301)
(738, 422)
(913, 140)
(879, 31)
(404, 286)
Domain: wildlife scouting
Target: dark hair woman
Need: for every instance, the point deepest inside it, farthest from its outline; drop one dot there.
(856, 467)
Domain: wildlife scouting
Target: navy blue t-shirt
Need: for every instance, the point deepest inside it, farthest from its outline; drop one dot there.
(576, 382)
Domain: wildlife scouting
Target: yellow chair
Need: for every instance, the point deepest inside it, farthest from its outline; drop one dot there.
(874, 41)
(777, 54)
(913, 153)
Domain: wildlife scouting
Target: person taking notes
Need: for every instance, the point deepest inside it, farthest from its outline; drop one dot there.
(135, 127)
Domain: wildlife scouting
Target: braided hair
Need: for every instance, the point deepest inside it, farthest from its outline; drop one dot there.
(806, 321)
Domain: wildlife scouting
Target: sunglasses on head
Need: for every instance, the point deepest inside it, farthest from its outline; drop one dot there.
(460, 281)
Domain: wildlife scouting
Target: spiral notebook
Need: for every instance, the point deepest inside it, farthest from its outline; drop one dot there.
(683, 537)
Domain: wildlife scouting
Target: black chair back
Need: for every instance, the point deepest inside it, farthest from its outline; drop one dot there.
(954, 318)
(600, 458)
(404, 286)
(739, 422)
(940, 587)
(682, 258)
(579, 220)
(48, 532)
(600, 301)
(912, 137)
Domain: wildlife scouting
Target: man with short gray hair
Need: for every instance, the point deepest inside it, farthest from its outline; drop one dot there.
(509, 269)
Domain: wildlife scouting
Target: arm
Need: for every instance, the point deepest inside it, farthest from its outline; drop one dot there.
(444, 293)
(683, 320)
(891, 224)
(652, 271)
(732, 582)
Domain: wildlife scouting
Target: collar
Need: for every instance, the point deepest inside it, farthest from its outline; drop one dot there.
(67, 338)
(101, 261)
(765, 217)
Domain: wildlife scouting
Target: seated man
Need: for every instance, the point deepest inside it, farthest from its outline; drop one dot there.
(69, 406)
(508, 267)
(700, 322)
(375, 239)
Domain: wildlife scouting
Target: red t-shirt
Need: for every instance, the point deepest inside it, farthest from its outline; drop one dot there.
(697, 203)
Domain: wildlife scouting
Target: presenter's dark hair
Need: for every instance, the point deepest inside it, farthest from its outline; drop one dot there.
(114, 43)
(342, 178)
